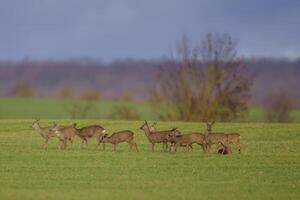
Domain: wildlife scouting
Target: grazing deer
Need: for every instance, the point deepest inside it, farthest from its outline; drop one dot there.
(186, 140)
(88, 132)
(234, 138)
(65, 133)
(116, 138)
(224, 150)
(157, 136)
(45, 132)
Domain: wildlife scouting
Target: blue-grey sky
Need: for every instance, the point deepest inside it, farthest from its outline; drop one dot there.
(109, 29)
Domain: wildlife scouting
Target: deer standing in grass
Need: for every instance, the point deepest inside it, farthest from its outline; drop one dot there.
(186, 140)
(118, 137)
(45, 132)
(221, 138)
(65, 133)
(88, 132)
(213, 138)
(157, 136)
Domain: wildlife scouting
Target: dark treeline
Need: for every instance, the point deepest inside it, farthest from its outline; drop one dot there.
(131, 77)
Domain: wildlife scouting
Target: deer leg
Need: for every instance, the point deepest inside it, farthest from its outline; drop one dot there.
(65, 143)
(166, 146)
(239, 147)
(130, 145)
(85, 142)
(103, 146)
(207, 147)
(136, 148)
(70, 139)
(114, 147)
(152, 147)
(191, 147)
(46, 143)
(98, 142)
(82, 141)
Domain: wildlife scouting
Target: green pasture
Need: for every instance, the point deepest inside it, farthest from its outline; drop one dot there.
(16, 108)
(268, 168)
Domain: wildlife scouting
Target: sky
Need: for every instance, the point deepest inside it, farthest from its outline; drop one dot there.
(143, 29)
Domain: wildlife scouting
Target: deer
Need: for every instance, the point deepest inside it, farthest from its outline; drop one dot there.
(186, 140)
(87, 132)
(213, 138)
(45, 132)
(65, 133)
(118, 137)
(158, 136)
(224, 139)
(234, 138)
(224, 150)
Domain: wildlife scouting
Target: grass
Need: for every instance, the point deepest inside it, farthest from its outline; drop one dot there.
(27, 108)
(14, 108)
(268, 167)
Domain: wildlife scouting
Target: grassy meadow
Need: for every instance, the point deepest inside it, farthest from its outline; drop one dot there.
(27, 108)
(268, 168)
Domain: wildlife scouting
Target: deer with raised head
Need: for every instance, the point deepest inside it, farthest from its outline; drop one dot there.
(45, 132)
(158, 136)
(118, 137)
(65, 133)
(213, 138)
(87, 132)
(186, 140)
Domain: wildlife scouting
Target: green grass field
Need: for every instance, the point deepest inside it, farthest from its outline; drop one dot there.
(268, 168)
(14, 108)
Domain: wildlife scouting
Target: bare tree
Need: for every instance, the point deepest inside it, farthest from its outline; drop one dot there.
(204, 82)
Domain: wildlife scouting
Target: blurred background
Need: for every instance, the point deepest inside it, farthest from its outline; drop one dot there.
(184, 60)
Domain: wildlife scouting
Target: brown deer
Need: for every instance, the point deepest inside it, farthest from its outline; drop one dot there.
(45, 132)
(234, 138)
(158, 136)
(118, 137)
(65, 133)
(224, 150)
(90, 131)
(213, 138)
(225, 139)
(186, 140)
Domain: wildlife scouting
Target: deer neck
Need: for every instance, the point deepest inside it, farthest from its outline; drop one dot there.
(147, 132)
(38, 127)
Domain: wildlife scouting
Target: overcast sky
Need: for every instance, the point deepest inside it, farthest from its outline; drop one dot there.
(109, 29)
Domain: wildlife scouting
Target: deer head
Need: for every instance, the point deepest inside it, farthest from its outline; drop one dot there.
(209, 126)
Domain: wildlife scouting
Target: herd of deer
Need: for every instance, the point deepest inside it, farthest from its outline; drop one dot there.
(171, 139)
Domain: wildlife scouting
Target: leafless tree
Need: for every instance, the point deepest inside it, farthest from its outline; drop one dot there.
(205, 82)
